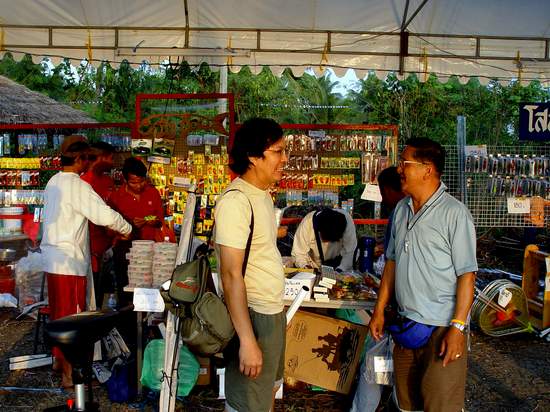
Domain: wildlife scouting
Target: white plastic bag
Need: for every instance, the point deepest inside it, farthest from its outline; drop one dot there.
(368, 394)
(28, 279)
(379, 362)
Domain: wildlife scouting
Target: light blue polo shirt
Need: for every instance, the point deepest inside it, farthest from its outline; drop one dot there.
(431, 248)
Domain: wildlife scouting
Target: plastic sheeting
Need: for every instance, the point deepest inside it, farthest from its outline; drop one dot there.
(358, 34)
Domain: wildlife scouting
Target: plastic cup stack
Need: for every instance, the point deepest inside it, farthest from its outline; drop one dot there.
(164, 260)
(140, 257)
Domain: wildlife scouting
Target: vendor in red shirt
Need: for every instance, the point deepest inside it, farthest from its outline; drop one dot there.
(138, 201)
(99, 177)
(141, 205)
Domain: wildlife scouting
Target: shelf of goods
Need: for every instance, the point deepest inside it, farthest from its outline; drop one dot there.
(323, 159)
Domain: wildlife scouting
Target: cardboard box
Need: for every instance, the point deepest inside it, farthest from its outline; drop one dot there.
(323, 351)
(204, 371)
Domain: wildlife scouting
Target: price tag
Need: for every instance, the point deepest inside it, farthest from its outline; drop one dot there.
(316, 133)
(148, 300)
(181, 181)
(158, 159)
(479, 150)
(518, 205)
(504, 297)
(292, 288)
(383, 364)
(371, 192)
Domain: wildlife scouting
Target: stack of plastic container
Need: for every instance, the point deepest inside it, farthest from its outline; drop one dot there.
(164, 258)
(140, 256)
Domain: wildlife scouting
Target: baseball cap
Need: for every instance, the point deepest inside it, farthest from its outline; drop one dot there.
(69, 148)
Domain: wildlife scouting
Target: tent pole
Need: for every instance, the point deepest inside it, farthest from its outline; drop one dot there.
(222, 103)
(460, 145)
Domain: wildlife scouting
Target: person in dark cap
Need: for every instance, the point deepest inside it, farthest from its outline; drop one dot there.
(69, 203)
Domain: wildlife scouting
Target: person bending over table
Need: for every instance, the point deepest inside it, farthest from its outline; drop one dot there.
(325, 237)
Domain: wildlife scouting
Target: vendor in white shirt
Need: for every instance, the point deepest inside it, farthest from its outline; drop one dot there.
(69, 202)
(325, 237)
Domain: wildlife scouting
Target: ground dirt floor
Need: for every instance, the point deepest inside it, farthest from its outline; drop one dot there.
(509, 373)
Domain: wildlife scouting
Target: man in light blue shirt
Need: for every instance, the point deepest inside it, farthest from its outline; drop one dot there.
(431, 270)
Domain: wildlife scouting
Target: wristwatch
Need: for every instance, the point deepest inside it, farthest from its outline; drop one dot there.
(459, 326)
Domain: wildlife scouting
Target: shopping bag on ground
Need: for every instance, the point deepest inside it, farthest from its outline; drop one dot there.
(119, 388)
(115, 346)
(153, 363)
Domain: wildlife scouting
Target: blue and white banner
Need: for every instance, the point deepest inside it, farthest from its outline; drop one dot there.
(534, 121)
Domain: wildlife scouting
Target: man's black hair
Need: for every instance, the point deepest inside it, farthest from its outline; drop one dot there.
(104, 147)
(330, 224)
(390, 178)
(76, 149)
(426, 150)
(135, 167)
(251, 140)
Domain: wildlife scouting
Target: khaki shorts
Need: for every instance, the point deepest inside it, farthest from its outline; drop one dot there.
(255, 395)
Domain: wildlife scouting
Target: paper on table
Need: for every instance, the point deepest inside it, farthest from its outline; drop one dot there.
(148, 300)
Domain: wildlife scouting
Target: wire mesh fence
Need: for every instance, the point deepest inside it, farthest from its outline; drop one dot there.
(488, 183)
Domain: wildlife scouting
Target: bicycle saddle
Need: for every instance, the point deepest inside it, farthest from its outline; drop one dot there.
(81, 328)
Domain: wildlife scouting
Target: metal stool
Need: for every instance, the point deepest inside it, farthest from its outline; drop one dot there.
(75, 335)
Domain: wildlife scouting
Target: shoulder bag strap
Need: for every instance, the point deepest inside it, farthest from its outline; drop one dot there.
(249, 241)
(318, 238)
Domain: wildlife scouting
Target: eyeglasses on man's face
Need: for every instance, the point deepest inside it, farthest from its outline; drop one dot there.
(279, 151)
(401, 163)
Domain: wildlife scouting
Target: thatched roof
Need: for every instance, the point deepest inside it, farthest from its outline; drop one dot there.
(18, 104)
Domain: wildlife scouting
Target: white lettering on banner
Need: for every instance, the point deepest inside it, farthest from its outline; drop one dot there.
(517, 205)
(538, 122)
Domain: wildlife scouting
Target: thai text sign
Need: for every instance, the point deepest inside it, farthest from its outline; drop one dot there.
(534, 121)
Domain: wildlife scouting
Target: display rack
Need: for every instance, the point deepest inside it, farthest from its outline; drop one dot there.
(323, 158)
(29, 157)
(193, 137)
(505, 172)
(536, 272)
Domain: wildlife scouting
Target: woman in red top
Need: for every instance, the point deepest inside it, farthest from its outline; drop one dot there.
(141, 205)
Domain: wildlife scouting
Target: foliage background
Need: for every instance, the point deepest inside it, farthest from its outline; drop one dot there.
(421, 109)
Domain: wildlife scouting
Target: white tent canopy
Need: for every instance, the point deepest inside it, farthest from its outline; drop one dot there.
(504, 39)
